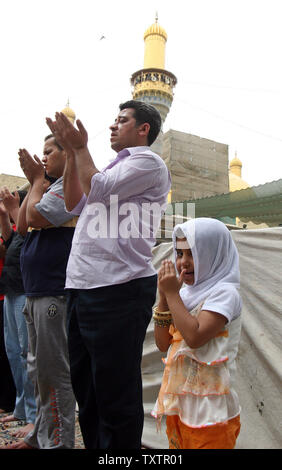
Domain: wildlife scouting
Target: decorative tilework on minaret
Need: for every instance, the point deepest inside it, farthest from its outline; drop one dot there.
(153, 84)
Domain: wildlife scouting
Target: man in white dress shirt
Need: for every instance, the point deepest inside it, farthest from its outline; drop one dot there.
(110, 278)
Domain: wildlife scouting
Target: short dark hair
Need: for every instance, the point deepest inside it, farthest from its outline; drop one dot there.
(51, 136)
(145, 112)
(51, 179)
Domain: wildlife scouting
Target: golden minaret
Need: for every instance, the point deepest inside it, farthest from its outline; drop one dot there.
(153, 84)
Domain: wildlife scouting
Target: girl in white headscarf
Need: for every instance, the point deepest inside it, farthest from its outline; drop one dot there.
(199, 325)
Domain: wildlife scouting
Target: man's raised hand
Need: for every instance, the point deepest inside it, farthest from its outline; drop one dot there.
(66, 134)
(33, 168)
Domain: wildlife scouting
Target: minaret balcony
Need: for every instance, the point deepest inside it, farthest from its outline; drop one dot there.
(154, 80)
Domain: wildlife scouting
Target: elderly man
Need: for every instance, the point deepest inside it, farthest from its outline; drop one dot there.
(110, 278)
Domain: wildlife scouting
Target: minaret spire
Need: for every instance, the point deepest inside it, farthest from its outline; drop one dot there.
(69, 112)
(154, 84)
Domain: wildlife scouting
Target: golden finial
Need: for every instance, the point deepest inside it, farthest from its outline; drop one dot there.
(236, 161)
(69, 112)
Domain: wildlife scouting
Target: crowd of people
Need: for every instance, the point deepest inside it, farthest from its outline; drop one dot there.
(79, 289)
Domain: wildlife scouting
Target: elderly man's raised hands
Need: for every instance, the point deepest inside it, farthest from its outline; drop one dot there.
(70, 138)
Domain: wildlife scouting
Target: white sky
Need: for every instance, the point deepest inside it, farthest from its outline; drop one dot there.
(226, 55)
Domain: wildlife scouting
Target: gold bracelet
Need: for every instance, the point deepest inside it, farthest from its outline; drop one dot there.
(164, 317)
(155, 310)
(162, 323)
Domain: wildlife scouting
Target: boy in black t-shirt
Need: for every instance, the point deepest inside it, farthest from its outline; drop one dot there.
(44, 257)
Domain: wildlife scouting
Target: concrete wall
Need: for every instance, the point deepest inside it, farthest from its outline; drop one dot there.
(198, 166)
(12, 182)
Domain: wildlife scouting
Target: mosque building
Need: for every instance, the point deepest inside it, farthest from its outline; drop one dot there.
(235, 175)
(198, 166)
(154, 84)
(69, 113)
(236, 183)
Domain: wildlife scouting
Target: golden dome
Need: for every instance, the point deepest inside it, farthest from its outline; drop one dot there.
(235, 162)
(235, 180)
(236, 183)
(155, 29)
(69, 113)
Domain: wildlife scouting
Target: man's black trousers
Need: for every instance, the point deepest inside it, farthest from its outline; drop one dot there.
(106, 330)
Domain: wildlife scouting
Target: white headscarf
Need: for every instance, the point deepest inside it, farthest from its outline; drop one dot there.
(216, 267)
